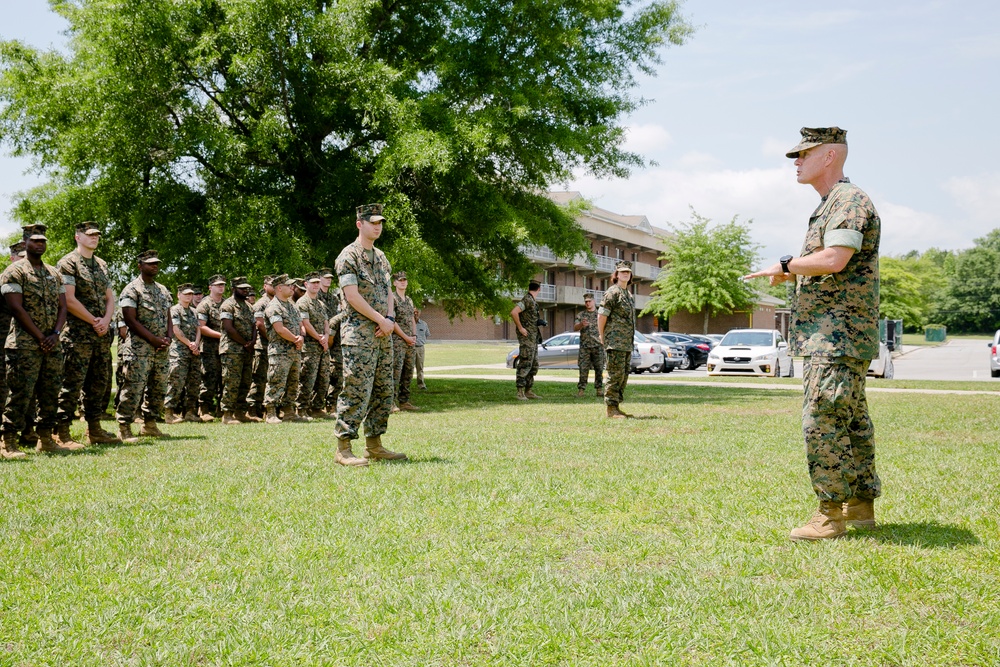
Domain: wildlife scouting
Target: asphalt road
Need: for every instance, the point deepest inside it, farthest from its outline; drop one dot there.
(955, 360)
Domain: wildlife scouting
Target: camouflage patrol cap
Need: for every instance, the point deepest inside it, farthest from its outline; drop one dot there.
(370, 212)
(268, 280)
(327, 272)
(198, 290)
(241, 281)
(312, 276)
(623, 265)
(217, 279)
(185, 288)
(17, 249)
(399, 275)
(588, 295)
(149, 257)
(817, 136)
(89, 228)
(281, 279)
(297, 282)
(34, 232)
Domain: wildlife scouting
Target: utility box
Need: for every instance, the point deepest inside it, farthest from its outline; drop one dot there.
(935, 333)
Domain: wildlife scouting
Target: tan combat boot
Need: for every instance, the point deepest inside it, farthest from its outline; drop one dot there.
(192, 416)
(9, 449)
(296, 417)
(409, 407)
(47, 444)
(244, 417)
(580, 393)
(29, 437)
(98, 436)
(125, 433)
(860, 513)
(172, 417)
(64, 439)
(151, 430)
(530, 394)
(375, 450)
(272, 416)
(520, 394)
(345, 456)
(615, 413)
(229, 418)
(827, 523)
(207, 416)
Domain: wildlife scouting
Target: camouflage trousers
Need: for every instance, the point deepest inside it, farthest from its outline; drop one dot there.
(119, 377)
(591, 357)
(314, 378)
(183, 380)
(32, 373)
(336, 374)
(418, 364)
(282, 380)
(258, 383)
(237, 374)
(211, 379)
(85, 368)
(144, 384)
(527, 362)
(368, 389)
(839, 435)
(402, 369)
(619, 365)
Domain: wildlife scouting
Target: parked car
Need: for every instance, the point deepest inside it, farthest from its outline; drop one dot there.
(751, 352)
(705, 338)
(994, 359)
(882, 366)
(695, 351)
(651, 352)
(563, 350)
(673, 356)
(715, 337)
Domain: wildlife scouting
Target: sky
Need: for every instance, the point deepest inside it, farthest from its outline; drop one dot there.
(915, 84)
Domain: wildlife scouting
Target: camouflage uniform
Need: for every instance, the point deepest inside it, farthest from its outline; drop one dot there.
(118, 324)
(835, 327)
(618, 307)
(86, 354)
(283, 360)
(314, 376)
(211, 366)
(184, 376)
(338, 313)
(32, 372)
(259, 378)
(368, 388)
(527, 354)
(591, 353)
(402, 353)
(5, 319)
(237, 362)
(145, 369)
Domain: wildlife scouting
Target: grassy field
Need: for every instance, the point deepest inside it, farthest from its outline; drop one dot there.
(532, 533)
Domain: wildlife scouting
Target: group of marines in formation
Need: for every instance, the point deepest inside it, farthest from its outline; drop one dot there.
(304, 350)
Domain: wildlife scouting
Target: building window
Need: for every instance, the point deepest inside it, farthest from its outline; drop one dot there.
(619, 253)
(635, 257)
(604, 284)
(604, 251)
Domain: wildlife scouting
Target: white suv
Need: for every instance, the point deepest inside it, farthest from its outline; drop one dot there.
(994, 359)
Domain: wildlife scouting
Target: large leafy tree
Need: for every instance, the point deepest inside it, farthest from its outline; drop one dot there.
(239, 135)
(971, 302)
(703, 268)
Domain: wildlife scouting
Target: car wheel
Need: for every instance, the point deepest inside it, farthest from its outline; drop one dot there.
(889, 371)
(687, 364)
(656, 368)
(791, 368)
(777, 368)
(995, 373)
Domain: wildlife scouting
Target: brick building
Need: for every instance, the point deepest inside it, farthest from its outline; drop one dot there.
(565, 280)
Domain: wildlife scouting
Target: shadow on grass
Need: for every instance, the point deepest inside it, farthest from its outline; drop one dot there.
(415, 461)
(462, 394)
(929, 534)
(97, 450)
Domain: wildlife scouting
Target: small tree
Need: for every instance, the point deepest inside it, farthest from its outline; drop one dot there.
(703, 267)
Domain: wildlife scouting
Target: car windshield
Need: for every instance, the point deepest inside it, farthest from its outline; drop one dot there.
(640, 338)
(562, 339)
(748, 338)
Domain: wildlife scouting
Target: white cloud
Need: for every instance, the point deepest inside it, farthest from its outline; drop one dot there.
(647, 139)
(979, 196)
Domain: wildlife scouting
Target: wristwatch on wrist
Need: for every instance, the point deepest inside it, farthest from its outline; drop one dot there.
(784, 263)
(390, 317)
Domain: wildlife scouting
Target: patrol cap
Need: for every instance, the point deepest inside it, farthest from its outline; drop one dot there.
(268, 280)
(817, 136)
(399, 275)
(297, 282)
(623, 265)
(34, 232)
(326, 272)
(370, 212)
(149, 257)
(283, 279)
(17, 249)
(241, 281)
(198, 290)
(312, 277)
(588, 295)
(217, 279)
(185, 288)
(89, 228)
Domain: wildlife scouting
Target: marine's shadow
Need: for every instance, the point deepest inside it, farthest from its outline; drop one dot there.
(927, 534)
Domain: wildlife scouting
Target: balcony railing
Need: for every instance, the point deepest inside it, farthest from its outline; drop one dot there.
(547, 293)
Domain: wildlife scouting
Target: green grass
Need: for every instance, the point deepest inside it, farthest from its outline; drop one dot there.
(533, 533)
